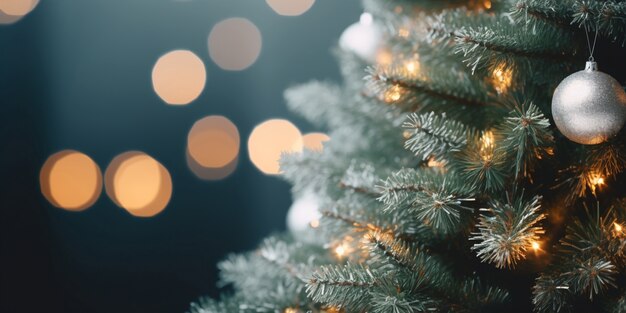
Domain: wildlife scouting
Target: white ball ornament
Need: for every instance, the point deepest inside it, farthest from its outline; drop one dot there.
(589, 106)
(303, 214)
(363, 38)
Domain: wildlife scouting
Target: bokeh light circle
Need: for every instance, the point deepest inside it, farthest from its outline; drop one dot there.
(269, 140)
(17, 7)
(138, 183)
(290, 7)
(211, 173)
(8, 19)
(234, 44)
(213, 141)
(12, 11)
(178, 77)
(315, 141)
(71, 180)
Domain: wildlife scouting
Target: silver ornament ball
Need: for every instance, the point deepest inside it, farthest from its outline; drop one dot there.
(589, 106)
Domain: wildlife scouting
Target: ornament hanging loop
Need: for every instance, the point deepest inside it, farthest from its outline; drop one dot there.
(592, 47)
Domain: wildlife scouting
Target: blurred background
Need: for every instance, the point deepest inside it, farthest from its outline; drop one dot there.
(139, 142)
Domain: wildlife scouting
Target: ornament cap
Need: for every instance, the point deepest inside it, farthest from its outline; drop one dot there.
(591, 66)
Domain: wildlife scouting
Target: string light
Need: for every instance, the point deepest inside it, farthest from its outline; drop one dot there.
(403, 32)
(384, 58)
(315, 223)
(487, 145)
(480, 4)
(340, 250)
(618, 227)
(345, 248)
(536, 246)
(595, 181)
(412, 67)
(291, 310)
(432, 162)
(393, 94)
(502, 78)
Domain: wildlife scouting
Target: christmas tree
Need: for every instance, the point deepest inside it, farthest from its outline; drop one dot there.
(447, 185)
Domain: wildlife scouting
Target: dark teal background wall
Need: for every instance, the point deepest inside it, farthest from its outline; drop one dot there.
(76, 75)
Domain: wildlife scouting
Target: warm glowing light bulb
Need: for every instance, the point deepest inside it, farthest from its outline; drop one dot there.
(502, 78)
(393, 94)
(487, 4)
(384, 58)
(535, 245)
(487, 145)
(340, 250)
(412, 67)
(432, 162)
(487, 139)
(315, 223)
(403, 32)
(291, 310)
(618, 227)
(597, 180)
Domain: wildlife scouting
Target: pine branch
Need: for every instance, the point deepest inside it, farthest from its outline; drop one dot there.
(485, 40)
(526, 137)
(608, 17)
(553, 12)
(619, 306)
(481, 165)
(578, 181)
(551, 294)
(428, 91)
(224, 305)
(316, 101)
(432, 198)
(409, 233)
(476, 295)
(596, 236)
(432, 135)
(591, 276)
(348, 220)
(344, 286)
(359, 189)
(507, 234)
(400, 302)
(607, 159)
(586, 261)
(387, 249)
(409, 294)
